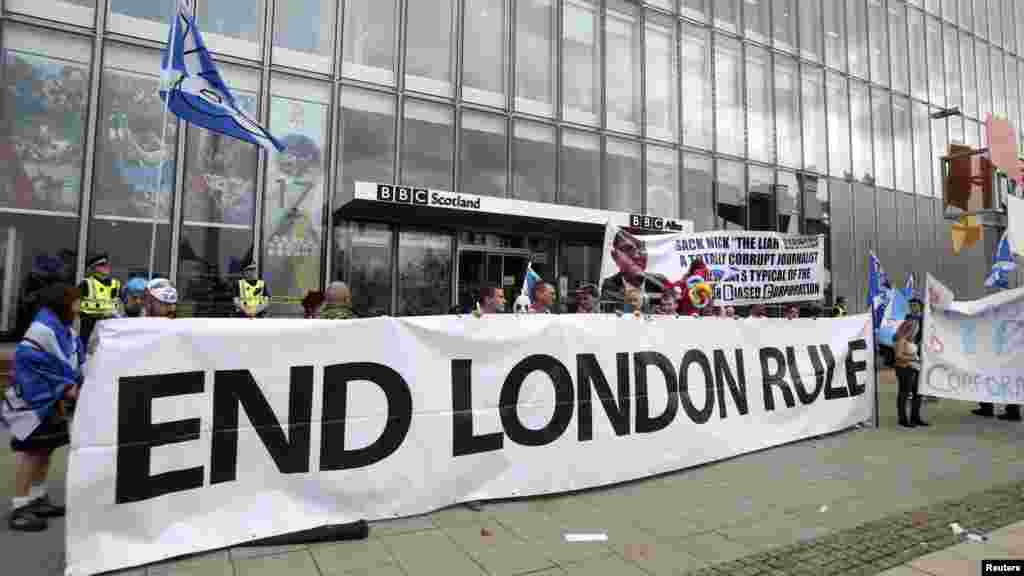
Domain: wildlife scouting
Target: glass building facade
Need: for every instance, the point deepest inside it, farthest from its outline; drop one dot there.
(807, 116)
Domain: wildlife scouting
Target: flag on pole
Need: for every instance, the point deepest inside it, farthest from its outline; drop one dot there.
(530, 281)
(1002, 264)
(879, 289)
(194, 90)
(908, 288)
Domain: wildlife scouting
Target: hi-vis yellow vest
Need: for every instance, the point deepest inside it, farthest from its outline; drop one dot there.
(100, 300)
(839, 310)
(251, 295)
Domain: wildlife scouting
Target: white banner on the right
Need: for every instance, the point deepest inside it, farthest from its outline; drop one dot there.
(973, 351)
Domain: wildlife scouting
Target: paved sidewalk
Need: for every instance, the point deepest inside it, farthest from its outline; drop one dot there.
(786, 500)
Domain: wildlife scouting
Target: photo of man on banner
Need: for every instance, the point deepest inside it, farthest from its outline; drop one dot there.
(630, 257)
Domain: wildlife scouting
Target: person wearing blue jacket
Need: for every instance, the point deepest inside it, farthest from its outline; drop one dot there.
(47, 372)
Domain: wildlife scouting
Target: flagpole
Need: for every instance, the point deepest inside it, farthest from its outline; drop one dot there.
(163, 139)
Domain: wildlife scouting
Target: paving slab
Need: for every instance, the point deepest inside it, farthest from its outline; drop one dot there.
(298, 563)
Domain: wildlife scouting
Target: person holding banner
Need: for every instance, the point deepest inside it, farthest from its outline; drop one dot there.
(543, 298)
(908, 367)
(585, 297)
(492, 300)
(47, 373)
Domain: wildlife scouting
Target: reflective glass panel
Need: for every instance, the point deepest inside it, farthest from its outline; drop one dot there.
(969, 78)
(581, 169)
(903, 140)
(881, 112)
(304, 34)
(898, 46)
(78, 12)
(622, 170)
(427, 145)
(424, 273)
(731, 193)
(787, 200)
(483, 161)
(142, 18)
(428, 47)
(760, 105)
(362, 259)
(998, 86)
(936, 82)
(581, 54)
(366, 139)
(954, 90)
(984, 80)
(787, 111)
(698, 192)
(622, 91)
(728, 97)
(694, 9)
(757, 15)
(813, 107)
(533, 161)
(727, 14)
(810, 29)
(697, 97)
(232, 26)
(536, 56)
(762, 211)
(838, 106)
(857, 36)
(661, 95)
(484, 60)
(860, 120)
(918, 68)
(369, 40)
(878, 22)
(662, 183)
(835, 34)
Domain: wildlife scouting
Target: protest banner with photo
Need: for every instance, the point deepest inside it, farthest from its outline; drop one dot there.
(973, 351)
(222, 431)
(746, 267)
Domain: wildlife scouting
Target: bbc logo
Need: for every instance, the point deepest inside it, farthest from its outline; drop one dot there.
(403, 194)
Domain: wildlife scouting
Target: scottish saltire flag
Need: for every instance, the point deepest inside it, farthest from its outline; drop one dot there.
(896, 311)
(1002, 265)
(908, 288)
(194, 90)
(879, 289)
(530, 281)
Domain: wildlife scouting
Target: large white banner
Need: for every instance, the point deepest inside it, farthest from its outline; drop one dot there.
(194, 435)
(973, 350)
(747, 267)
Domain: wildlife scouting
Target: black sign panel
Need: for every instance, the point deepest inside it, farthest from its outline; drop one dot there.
(654, 223)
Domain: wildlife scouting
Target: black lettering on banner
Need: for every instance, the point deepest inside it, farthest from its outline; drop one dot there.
(852, 368)
(333, 455)
(794, 377)
(234, 388)
(137, 436)
(696, 357)
(564, 400)
(831, 392)
(645, 423)
(463, 440)
(819, 376)
(723, 375)
(588, 372)
(774, 378)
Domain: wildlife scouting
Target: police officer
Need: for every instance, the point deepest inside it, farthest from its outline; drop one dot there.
(839, 310)
(100, 294)
(252, 297)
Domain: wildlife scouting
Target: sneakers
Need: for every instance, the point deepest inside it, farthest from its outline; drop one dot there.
(1010, 417)
(983, 413)
(46, 509)
(32, 517)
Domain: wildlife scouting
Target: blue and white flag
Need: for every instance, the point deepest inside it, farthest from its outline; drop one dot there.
(879, 289)
(194, 90)
(530, 282)
(1002, 265)
(908, 288)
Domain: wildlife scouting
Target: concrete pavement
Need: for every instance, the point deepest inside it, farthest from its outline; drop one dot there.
(752, 514)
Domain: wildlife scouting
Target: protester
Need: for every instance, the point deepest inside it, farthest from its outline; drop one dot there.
(586, 297)
(543, 298)
(908, 366)
(987, 409)
(492, 300)
(134, 297)
(792, 313)
(730, 312)
(311, 303)
(100, 294)
(717, 311)
(669, 302)
(251, 297)
(47, 371)
(630, 257)
(161, 299)
(337, 303)
(757, 311)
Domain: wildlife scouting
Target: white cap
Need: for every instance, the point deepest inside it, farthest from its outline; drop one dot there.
(163, 290)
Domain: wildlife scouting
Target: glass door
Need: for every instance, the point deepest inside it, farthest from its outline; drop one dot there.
(424, 273)
(513, 274)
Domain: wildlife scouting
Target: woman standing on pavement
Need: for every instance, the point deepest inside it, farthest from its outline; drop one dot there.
(908, 365)
(47, 371)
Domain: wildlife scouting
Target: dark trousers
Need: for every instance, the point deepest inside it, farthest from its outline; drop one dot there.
(1011, 409)
(907, 392)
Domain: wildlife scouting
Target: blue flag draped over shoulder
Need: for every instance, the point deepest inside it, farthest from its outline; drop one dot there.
(194, 90)
(1003, 263)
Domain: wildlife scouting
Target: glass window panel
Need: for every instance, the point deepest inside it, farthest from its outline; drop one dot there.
(728, 96)
(863, 232)
(533, 162)
(293, 200)
(427, 145)
(784, 24)
(731, 192)
(838, 126)
(903, 139)
(757, 15)
(698, 192)
(886, 223)
(304, 34)
(761, 209)
(622, 91)
(694, 9)
(369, 40)
(954, 89)
(980, 18)
(923, 159)
(860, 120)
(787, 203)
(881, 114)
(78, 12)
(668, 5)
(424, 272)
(810, 29)
(428, 47)
(932, 6)
(131, 197)
(898, 46)
(940, 147)
(936, 83)
(362, 259)
(956, 129)
(949, 10)
(969, 79)
(233, 26)
(142, 18)
(536, 56)
(972, 135)
(483, 161)
(1019, 7)
(484, 55)
(995, 28)
(857, 36)
(660, 71)
(815, 192)
(662, 183)
(966, 14)
(622, 183)
(697, 97)
(926, 245)
(581, 169)
(1010, 27)
(760, 106)
(879, 25)
(813, 106)
(1012, 100)
(918, 67)
(840, 222)
(366, 139)
(787, 111)
(581, 55)
(998, 85)
(984, 80)
(835, 34)
(727, 14)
